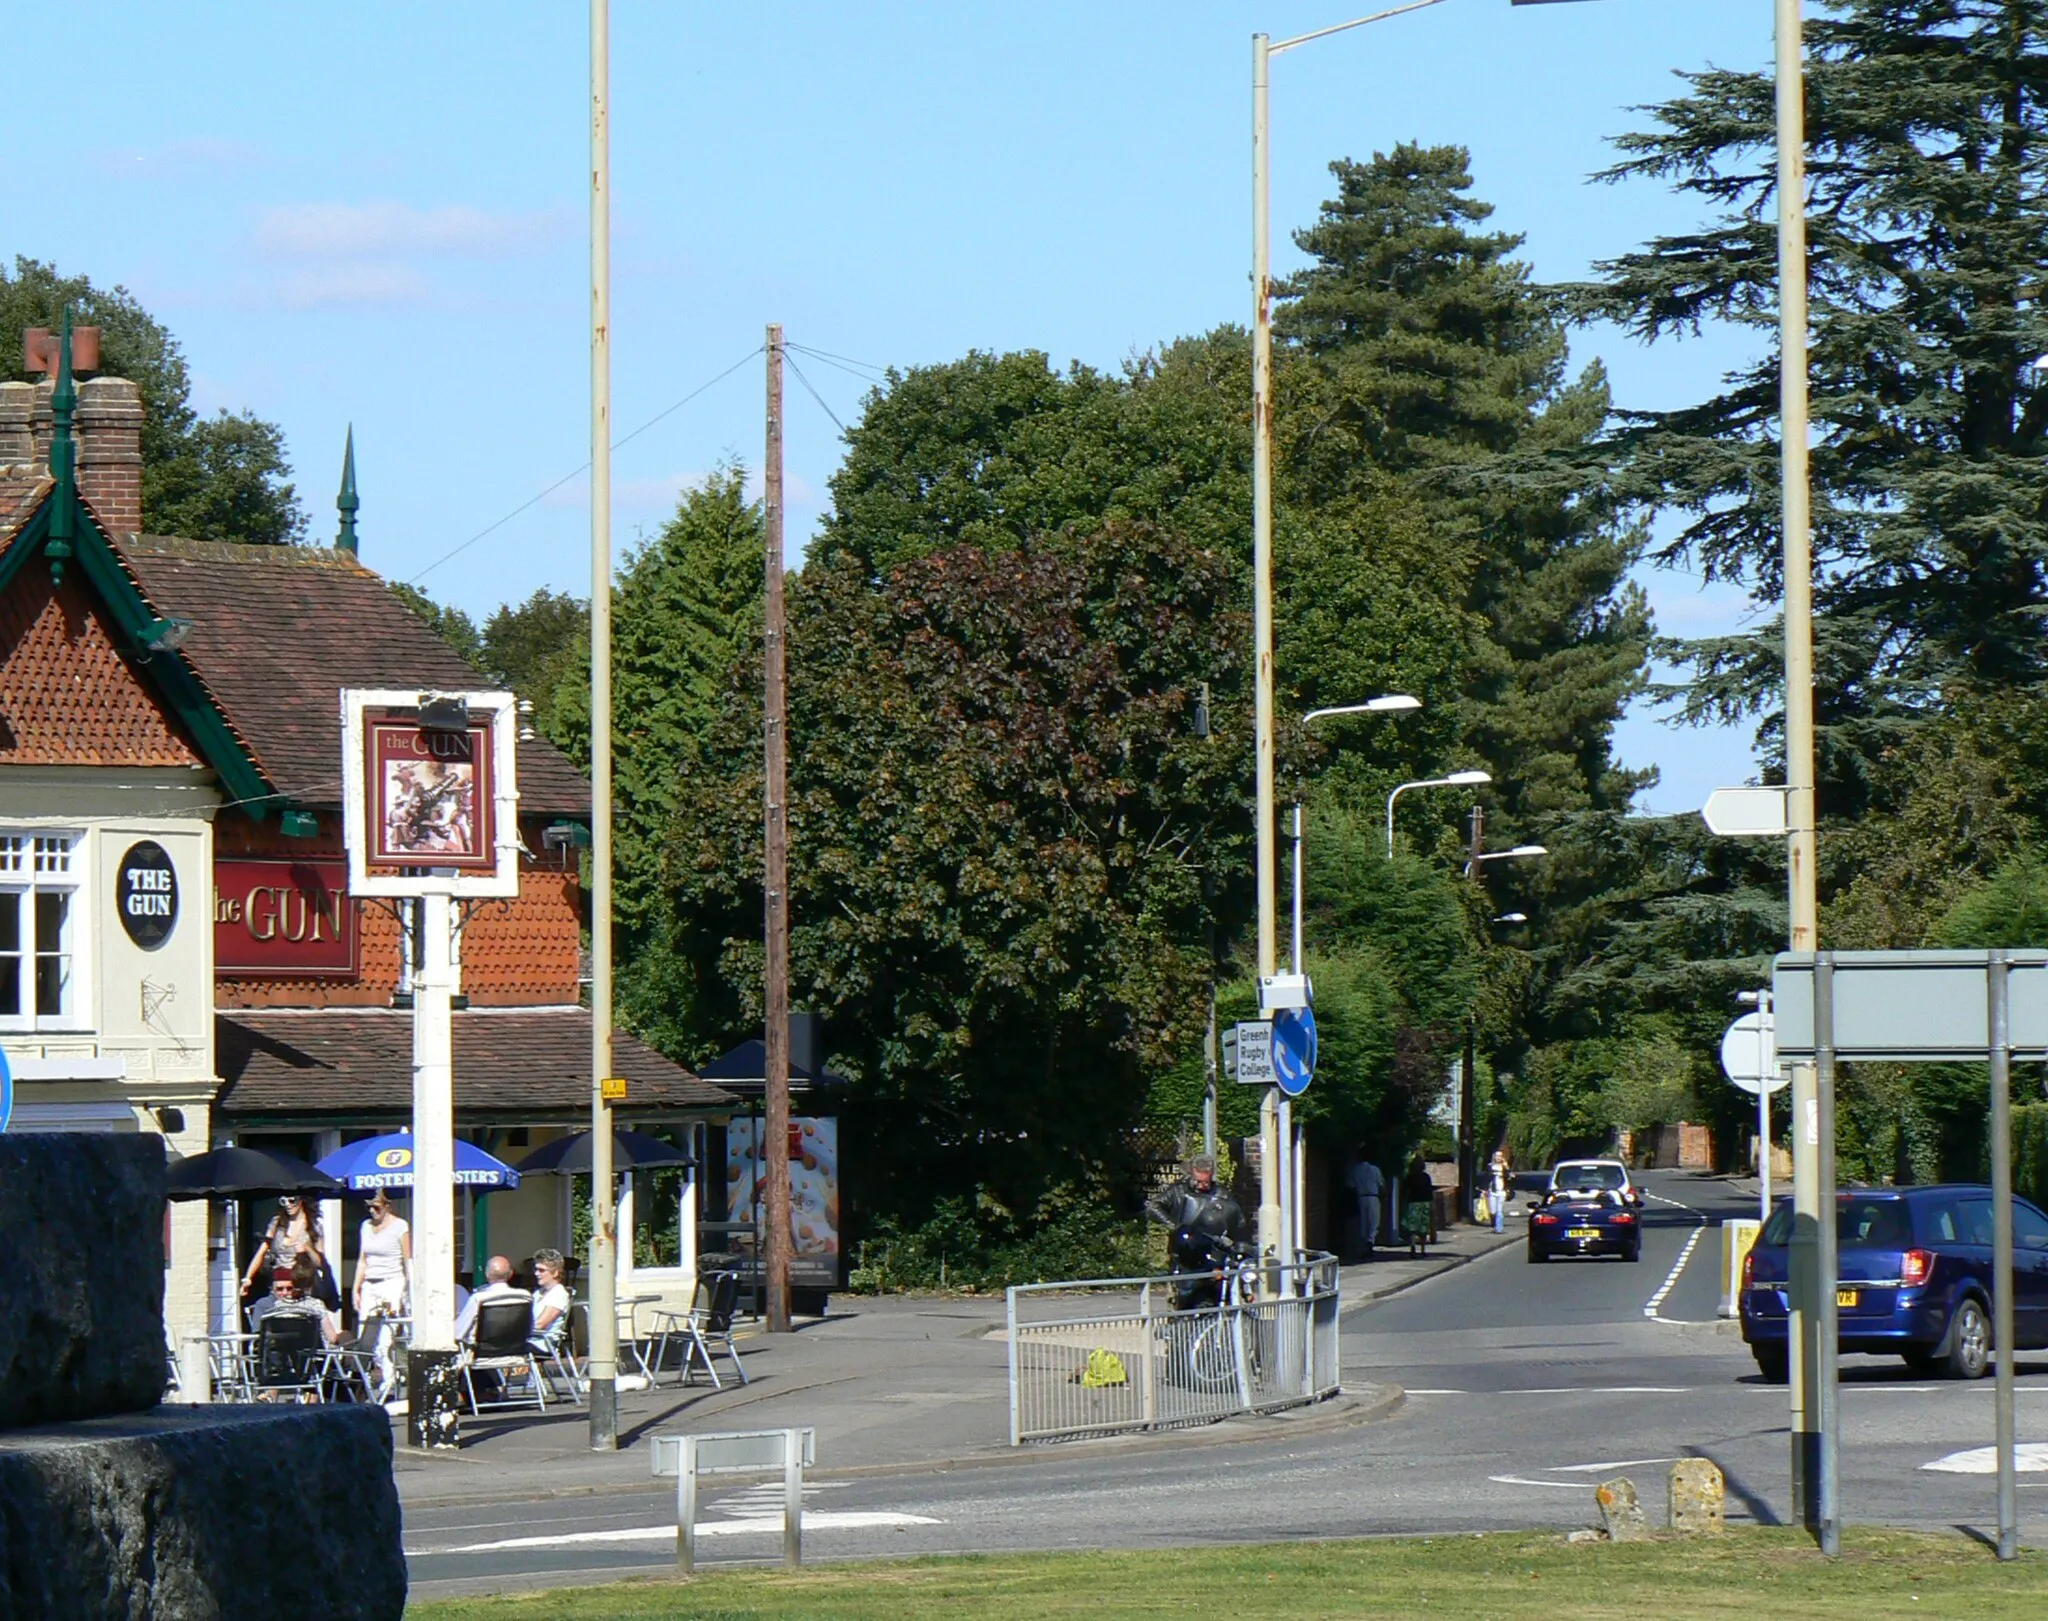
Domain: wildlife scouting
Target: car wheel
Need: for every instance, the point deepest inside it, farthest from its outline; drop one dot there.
(1634, 1252)
(1536, 1256)
(1774, 1362)
(1969, 1342)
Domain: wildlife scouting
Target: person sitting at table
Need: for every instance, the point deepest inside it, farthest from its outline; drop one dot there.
(550, 1300)
(293, 1294)
(498, 1285)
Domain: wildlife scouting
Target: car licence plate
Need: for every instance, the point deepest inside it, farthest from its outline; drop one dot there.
(1845, 1297)
(1583, 1232)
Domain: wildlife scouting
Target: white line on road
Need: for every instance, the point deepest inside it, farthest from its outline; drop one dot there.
(1546, 1485)
(822, 1520)
(1596, 1468)
(2028, 1455)
(1671, 1279)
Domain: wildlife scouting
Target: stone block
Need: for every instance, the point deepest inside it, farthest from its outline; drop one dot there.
(82, 1294)
(1621, 1512)
(203, 1514)
(1698, 1493)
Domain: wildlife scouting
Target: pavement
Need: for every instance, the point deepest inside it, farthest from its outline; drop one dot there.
(891, 1384)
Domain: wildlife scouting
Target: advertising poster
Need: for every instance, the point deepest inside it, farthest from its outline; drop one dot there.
(813, 1151)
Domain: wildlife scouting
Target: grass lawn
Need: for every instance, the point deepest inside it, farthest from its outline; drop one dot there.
(1753, 1575)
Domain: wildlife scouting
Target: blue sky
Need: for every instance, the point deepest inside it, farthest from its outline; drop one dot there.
(376, 214)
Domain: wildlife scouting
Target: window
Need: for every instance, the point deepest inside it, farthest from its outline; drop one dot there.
(2029, 1227)
(39, 922)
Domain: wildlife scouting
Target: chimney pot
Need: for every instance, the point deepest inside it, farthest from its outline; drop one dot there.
(109, 428)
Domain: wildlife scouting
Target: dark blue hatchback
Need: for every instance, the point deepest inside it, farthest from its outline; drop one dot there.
(1915, 1279)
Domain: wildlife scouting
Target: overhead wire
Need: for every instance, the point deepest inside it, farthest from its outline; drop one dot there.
(535, 500)
(801, 378)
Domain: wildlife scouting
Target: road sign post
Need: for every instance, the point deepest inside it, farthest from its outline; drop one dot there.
(1749, 1056)
(1248, 1052)
(1912, 1006)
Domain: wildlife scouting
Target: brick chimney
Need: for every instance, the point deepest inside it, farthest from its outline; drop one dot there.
(109, 428)
(17, 413)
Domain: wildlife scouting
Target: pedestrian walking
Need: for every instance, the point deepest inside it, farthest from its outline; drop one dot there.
(1369, 1185)
(1498, 1178)
(1418, 1207)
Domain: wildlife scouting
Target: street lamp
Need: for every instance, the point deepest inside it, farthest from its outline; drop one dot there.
(1512, 917)
(1519, 852)
(1457, 779)
(1392, 704)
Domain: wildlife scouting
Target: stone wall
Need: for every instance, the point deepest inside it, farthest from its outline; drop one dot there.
(82, 1294)
(203, 1514)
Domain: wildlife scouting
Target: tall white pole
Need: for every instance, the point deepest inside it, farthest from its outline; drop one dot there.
(604, 1313)
(432, 1408)
(1807, 1107)
(1270, 1232)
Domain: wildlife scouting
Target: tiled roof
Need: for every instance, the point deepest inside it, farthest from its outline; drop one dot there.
(67, 695)
(512, 1065)
(265, 619)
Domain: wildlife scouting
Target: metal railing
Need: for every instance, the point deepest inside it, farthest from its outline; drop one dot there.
(1099, 1356)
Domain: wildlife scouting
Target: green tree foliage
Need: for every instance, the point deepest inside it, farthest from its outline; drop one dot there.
(538, 649)
(452, 625)
(224, 478)
(1000, 820)
(1927, 127)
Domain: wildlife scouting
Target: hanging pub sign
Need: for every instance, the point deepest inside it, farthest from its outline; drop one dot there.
(430, 794)
(146, 894)
(282, 919)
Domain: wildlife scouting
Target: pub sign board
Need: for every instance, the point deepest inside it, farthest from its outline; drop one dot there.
(146, 894)
(430, 795)
(284, 919)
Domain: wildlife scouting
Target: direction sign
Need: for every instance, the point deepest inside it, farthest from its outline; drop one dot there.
(1248, 1052)
(1749, 1053)
(1745, 813)
(1294, 1050)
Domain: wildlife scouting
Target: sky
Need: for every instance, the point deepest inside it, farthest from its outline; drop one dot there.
(377, 215)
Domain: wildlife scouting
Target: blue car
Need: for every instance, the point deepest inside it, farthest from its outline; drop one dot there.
(1584, 1221)
(1914, 1279)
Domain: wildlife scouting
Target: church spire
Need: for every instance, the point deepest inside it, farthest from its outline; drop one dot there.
(346, 503)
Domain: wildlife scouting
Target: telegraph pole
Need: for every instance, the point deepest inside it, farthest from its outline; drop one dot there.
(604, 1311)
(775, 1135)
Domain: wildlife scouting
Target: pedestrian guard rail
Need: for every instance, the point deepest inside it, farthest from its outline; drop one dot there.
(1102, 1356)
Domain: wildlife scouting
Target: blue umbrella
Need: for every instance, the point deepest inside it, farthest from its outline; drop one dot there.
(386, 1162)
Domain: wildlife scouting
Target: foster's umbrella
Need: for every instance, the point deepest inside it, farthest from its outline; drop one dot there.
(631, 1151)
(386, 1162)
(242, 1173)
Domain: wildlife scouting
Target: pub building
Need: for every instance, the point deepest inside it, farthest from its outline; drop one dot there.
(179, 950)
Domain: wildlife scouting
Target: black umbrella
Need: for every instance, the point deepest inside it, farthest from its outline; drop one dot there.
(234, 1173)
(631, 1151)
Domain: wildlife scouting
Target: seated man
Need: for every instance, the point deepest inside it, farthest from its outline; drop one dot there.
(497, 1286)
(293, 1294)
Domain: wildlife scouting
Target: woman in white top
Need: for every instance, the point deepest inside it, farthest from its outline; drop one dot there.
(550, 1298)
(383, 1267)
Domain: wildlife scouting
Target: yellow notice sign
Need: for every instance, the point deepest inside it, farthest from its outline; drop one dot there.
(612, 1088)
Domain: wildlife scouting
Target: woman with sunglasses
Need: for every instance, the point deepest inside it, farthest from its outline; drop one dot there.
(295, 1228)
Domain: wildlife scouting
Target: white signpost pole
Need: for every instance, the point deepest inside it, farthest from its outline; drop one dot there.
(432, 1410)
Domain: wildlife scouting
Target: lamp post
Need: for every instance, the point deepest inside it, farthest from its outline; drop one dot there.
(1477, 855)
(1457, 779)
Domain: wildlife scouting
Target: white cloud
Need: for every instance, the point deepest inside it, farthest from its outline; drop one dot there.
(379, 282)
(359, 230)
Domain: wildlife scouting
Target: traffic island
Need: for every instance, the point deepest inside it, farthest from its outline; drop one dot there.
(112, 1506)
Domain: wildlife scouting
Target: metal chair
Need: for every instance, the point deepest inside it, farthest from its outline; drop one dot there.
(288, 1347)
(503, 1345)
(706, 1326)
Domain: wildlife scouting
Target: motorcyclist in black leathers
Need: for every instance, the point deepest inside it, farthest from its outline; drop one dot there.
(1206, 1224)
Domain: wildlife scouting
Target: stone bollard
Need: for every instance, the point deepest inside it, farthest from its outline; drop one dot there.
(1621, 1513)
(1697, 1495)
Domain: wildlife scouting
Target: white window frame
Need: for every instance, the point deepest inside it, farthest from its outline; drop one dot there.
(40, 860)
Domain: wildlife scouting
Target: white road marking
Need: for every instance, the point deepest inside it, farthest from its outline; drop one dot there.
(2027, 1456)
(1439, 1392)
(1599, 1390)
(1546, 1485)
(1596, 1468)
(822, 1520)
(1671, 1280)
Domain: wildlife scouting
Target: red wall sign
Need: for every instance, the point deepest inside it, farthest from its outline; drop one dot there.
(283, 917)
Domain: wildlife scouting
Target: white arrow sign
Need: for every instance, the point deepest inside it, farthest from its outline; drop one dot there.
(1749, 1053)
(1746, 813)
